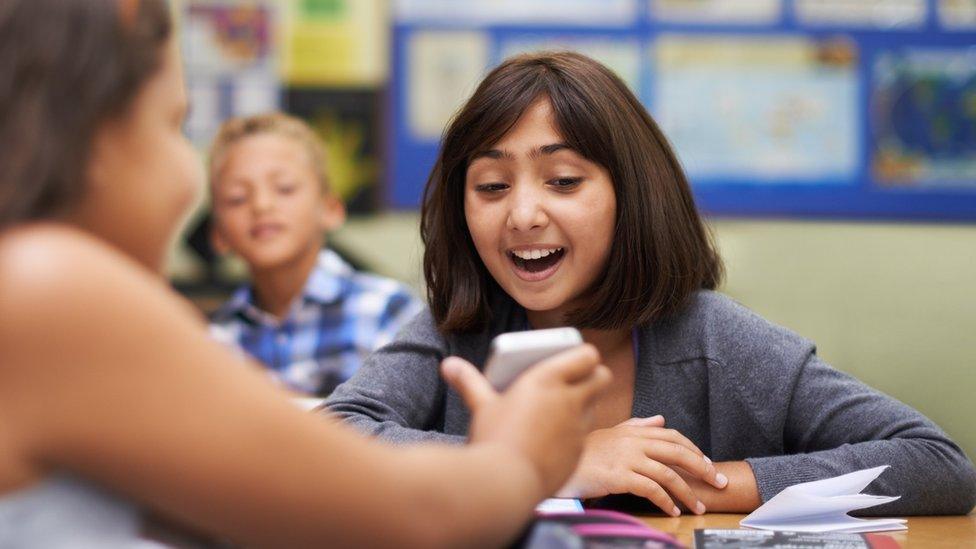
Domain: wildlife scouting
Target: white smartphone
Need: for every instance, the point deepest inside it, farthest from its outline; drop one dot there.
(512, 353)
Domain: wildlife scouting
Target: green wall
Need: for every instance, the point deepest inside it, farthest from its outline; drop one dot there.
(893, 304)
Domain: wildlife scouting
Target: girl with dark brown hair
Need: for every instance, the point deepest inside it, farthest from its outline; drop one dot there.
(113, 398)
(557, 201)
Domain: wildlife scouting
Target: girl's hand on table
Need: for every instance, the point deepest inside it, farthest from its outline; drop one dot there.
(641, 457)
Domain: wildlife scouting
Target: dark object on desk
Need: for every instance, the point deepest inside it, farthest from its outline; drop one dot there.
(732, 539)
(594, 529)
(625, 503)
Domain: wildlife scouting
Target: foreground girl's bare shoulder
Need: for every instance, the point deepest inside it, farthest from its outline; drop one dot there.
(51, 270)
(75, 316)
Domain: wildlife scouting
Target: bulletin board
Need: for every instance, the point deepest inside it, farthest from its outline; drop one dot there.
(848, 109)
(230, 56)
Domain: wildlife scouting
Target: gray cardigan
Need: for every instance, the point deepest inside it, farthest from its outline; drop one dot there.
(736, 385)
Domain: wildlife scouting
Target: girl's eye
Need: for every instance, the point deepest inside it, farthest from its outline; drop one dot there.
(286, 188)
(566, 183)
(234, 200)
(490, 187)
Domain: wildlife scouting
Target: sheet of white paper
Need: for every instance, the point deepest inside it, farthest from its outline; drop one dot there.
(560, 505)
(822, 506)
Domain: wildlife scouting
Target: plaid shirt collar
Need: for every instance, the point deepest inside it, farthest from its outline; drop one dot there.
(326, 284)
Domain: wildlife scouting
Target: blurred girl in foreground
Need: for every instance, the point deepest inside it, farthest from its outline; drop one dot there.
(113, 399)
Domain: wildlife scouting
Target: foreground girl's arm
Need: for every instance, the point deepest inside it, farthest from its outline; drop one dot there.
(105, 373)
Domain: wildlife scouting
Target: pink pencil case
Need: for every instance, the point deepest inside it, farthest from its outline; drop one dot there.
(595, 529)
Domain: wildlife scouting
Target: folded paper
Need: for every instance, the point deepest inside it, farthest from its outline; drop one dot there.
(822, 506)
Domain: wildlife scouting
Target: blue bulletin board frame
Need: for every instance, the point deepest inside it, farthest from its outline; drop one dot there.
(728, 195)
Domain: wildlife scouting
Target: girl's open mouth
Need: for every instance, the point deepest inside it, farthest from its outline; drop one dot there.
(536, 264)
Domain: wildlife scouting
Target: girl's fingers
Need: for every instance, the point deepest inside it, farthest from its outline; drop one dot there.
(675, 436)
(468, 381)
(641, 485)
(590, 388)
(653, 421)
(672, 482)
(675, 454)
(669, 435)
(570, 366)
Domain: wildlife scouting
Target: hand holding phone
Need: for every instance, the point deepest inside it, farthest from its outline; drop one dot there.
(512, 353)
(542, 419)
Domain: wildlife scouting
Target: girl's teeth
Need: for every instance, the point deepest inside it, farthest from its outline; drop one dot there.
(535, 254)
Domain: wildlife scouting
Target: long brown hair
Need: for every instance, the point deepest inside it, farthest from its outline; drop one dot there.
(66, 67)
(661, 253)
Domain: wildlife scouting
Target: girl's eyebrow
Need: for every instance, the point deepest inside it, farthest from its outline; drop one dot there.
(494, 154)
(550, 149)
(497, 154)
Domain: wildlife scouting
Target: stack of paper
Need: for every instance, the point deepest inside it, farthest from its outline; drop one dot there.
(822, 506)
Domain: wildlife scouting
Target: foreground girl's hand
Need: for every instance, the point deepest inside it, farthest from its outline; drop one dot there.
(543, 417)
(641, 457)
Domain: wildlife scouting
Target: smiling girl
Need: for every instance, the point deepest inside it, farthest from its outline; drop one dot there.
(557, 201)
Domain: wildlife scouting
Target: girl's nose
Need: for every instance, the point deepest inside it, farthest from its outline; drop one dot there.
(527, 210)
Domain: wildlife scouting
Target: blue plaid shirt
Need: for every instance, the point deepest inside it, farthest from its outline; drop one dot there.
(341, 316)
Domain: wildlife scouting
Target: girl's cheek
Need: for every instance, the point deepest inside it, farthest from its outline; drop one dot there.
(192, 178)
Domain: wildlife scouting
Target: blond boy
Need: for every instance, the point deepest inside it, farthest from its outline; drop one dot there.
(306, 314)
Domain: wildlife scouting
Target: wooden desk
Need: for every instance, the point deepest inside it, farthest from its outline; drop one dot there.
(923, 532)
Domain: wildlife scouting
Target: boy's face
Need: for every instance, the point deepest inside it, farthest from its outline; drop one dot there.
(268, 204)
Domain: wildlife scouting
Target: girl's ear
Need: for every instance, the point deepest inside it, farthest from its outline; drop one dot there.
(217, 241)
(333, 212)
(103, 154)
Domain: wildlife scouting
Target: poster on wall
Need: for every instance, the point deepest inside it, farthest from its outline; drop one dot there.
(767, 111)
(231, 62)
(348, 122)
(622, 55)
(445, 68)
(957, 14)
(806, 108)
(923, 114)
(716, 11)
(517, 12)
(226, 38)
(880, 14)
(335, 43)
